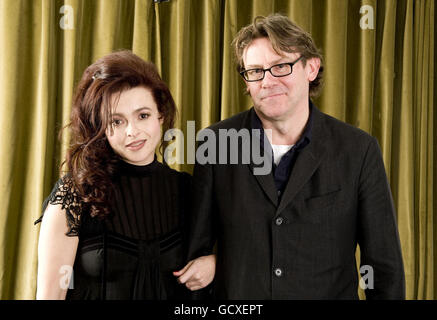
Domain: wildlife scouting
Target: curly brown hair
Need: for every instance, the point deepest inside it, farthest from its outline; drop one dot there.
(90, 160)
(285, 36)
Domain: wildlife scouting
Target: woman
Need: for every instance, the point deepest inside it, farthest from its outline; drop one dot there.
(114, 224)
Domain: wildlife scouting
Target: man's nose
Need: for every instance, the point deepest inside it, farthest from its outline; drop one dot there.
(268, 80)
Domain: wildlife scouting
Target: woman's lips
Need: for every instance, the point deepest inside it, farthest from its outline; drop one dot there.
(136, 145)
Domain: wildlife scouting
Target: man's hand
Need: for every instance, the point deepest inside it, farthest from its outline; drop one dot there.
(198, 273)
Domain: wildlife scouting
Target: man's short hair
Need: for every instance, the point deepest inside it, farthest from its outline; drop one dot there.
(285, 36)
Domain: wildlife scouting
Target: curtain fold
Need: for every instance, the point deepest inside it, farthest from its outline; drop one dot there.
(380, 79)
(402, 167)
(423, 107)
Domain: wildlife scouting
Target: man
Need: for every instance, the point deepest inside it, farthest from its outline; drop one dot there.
(292, 233)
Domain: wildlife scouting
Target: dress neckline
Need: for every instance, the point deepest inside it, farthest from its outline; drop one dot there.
(131, 169)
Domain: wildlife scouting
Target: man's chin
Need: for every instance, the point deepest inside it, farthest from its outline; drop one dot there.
(272, 115)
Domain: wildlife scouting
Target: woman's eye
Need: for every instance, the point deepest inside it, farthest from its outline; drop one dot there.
(116, 122)
(144, 115)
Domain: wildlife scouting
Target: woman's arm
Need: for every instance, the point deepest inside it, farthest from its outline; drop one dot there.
(56, 254)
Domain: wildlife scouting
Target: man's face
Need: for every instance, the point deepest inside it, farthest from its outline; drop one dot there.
(278, 98)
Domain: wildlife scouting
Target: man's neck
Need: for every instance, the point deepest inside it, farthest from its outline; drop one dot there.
(286, 131)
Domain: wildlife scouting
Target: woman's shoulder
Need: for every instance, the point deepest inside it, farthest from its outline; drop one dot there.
(64, 193)
(67, 196)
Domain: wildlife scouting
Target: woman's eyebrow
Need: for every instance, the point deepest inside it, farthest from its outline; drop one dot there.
(135, 111)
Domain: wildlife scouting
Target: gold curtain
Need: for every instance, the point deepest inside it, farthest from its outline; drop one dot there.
(379, 76)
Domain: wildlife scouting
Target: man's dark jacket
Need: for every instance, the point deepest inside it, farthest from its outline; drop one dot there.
(337, 197)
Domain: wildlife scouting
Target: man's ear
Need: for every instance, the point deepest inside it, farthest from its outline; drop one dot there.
(312, 68)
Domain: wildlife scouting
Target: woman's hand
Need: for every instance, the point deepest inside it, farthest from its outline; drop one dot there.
(198, 273)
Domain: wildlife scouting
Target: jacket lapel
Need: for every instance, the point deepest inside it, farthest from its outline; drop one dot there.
(266, 182)
(307, 161)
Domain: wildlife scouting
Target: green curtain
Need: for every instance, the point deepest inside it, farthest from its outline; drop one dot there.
(380, 79)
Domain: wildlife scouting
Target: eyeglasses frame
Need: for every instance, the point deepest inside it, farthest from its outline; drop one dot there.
(291, 64)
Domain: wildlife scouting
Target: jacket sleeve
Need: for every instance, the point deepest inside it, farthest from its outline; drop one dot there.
(201, 221)
(378, 237)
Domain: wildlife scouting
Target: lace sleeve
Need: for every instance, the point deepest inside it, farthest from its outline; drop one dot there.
(64, 193)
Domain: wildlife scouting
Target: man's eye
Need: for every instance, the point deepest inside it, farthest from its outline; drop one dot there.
(254, 71)
(144, 115)
(282, 68)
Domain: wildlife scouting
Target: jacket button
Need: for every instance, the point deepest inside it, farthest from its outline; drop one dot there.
(279, 221)
(278, 272)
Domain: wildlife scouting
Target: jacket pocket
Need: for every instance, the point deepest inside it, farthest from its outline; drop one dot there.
(316, 207)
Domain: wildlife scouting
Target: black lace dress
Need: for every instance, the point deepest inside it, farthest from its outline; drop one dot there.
(132, 253)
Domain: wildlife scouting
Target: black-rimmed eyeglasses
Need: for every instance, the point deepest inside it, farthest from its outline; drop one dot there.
(278, 70)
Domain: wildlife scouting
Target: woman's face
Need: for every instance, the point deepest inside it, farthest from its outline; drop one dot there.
(135, 127)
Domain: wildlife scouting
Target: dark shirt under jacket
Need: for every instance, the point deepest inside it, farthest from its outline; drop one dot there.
(282, 171)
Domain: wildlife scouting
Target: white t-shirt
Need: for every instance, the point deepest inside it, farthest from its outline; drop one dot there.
(279, 150)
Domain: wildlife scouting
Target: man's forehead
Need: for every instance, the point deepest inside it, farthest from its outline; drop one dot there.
(261, 51)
